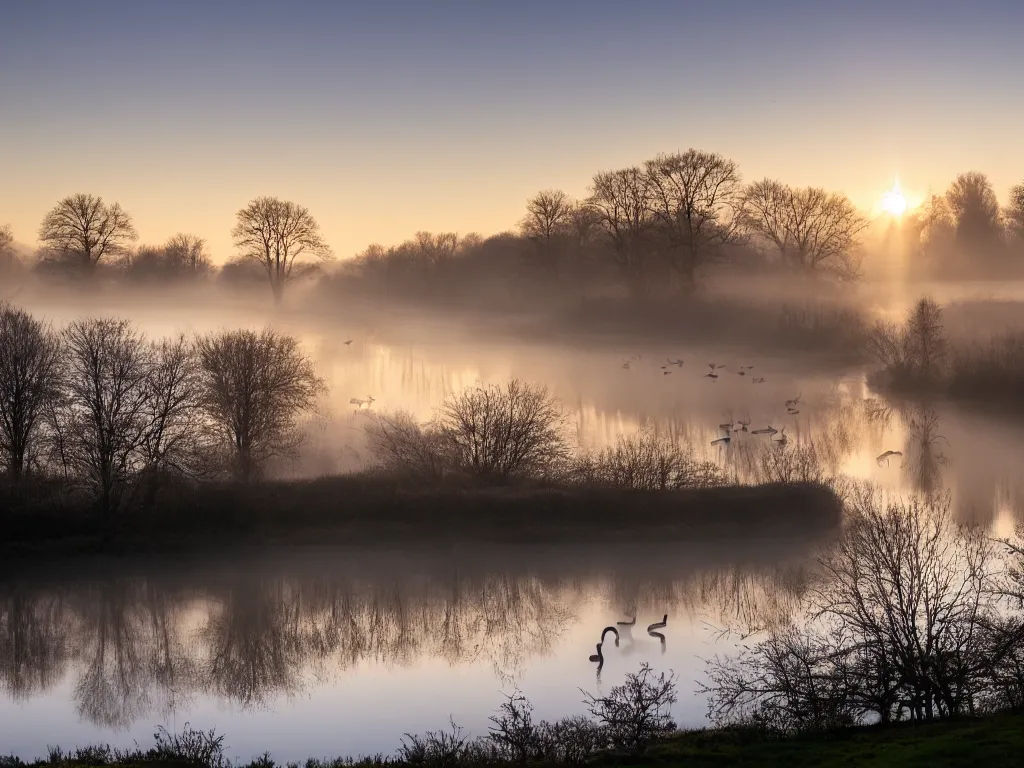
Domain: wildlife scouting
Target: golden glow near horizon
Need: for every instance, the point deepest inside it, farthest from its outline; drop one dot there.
(894, 202)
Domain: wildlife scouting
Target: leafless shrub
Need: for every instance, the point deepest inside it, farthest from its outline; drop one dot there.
(636, 713)
(253, 388)
(190, 747)
(498, 433)
(30, 372)
(515, 737)
(903, 623)
(404, 447)
(913, 353)
(436, 749)
(646, 461)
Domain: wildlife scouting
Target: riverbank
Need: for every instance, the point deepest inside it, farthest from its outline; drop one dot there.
(992, 741)
(364, 509)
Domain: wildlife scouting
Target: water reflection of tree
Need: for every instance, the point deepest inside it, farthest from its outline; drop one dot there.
(924, 460)
(33, 642)
(139, 647)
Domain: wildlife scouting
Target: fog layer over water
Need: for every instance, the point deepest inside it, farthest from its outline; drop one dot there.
(343, 651)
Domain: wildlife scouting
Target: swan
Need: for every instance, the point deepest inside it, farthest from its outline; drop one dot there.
(598, 657)
(614, 631)
(658, 624)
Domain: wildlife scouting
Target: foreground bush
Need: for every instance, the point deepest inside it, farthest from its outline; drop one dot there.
(913, 618)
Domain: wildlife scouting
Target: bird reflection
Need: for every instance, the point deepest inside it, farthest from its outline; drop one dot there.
(134, 646)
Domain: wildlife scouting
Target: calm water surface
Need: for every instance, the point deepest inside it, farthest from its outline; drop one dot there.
(341, 651)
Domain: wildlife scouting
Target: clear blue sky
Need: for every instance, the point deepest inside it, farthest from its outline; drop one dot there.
(389, 117)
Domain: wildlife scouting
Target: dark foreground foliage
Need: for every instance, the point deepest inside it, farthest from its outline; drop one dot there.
(996, 740)
(366, 507)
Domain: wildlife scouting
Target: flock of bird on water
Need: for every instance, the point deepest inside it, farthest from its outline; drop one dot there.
(627, 626)
(777, 436)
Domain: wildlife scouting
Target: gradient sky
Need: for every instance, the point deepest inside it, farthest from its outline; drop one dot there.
(391, 116)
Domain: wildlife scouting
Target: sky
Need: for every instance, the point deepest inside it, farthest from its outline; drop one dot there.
(386, 117)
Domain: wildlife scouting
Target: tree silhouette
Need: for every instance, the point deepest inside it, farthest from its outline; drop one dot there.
(253, 388)
(83, 229)
(695, 198)
(277, 234)
(622, 200)
(975, 210)
(812, 230)
(1014, 213)
(29, 379)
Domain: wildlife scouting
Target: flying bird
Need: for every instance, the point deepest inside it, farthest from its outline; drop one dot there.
(349, 342)
(794, 401)
(676, 363)
(886, 456)
(769, 430)
(758, 379)
(722, 440)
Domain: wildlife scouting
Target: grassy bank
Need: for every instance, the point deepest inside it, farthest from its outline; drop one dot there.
(364, 509)
(993, 741)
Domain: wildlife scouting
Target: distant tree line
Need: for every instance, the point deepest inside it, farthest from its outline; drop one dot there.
(649, 228)
(107, 410)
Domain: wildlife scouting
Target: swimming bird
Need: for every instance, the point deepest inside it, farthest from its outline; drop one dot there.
(614, 631)
(886, 456)
(598, 657)
(769, 430)
(658, 624)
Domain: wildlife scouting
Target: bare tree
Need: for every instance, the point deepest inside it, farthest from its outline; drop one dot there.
(812, 230)
(83, 229)
(1014, 213)
(253, 388)
(547, 222)
(503, 432)
(696, 198)
(436, 250)
(975, 209)
(104, 416)
(622, 200)
(172, 440)
(186, 254)
(925, 340)
(277, 234)
(7, 256)
(29, 380)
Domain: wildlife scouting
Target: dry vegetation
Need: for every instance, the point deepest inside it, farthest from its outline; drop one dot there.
(917, 357)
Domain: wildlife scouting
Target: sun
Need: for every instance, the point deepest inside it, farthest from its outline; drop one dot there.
(893, 201)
